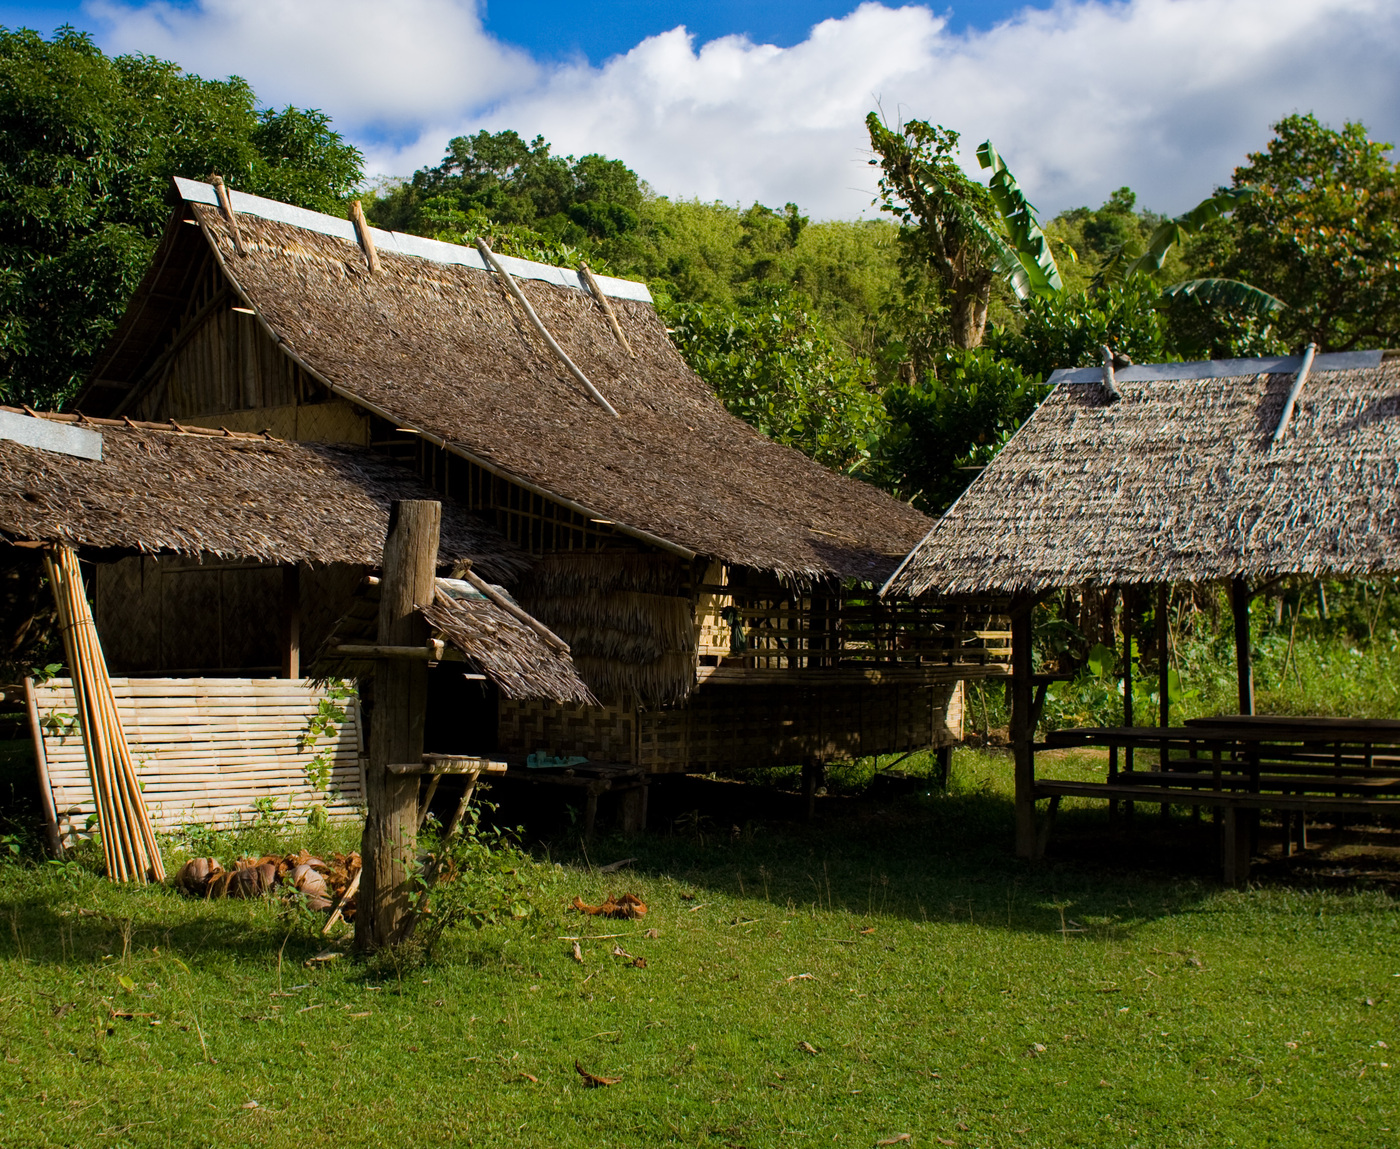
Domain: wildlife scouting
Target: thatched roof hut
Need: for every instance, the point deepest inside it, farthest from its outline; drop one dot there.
(208, 494)
(1181, 480)
(434, 344)
(706, 579)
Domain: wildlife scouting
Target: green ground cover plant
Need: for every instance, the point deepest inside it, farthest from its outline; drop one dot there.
(888, 970)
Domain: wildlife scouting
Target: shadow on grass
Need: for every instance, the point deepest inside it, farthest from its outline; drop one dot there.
(910, 852)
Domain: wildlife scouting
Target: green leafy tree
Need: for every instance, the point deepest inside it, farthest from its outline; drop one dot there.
(948, 425)
(513, 183)
(775, 368)
(87, 148)
(1322, 233)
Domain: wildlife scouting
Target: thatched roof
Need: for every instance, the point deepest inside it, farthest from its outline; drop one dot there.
(500, 646)
(1178, 481)
(197, 492)
(436, 344)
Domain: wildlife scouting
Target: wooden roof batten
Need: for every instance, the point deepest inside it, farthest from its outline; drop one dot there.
(478, 384)
(1216, 470)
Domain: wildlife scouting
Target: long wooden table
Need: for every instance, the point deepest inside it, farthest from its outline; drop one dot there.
(1239, 765)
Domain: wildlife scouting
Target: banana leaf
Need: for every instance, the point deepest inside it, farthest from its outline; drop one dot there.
(1228, 293)
(1027, 246)
(1173, 231)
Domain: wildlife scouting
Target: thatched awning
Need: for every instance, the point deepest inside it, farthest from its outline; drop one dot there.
(509, 652)
(438, 346)
(1179, 482)
(195, 492)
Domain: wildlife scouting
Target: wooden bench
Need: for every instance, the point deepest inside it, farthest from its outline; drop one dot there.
(631, 783)
(1240, 765)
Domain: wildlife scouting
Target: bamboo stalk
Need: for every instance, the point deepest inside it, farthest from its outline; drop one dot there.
(128, 840)
(514, 288)
(600, 295)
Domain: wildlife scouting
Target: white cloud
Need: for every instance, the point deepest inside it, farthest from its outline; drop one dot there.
(374, 67)
(1163, 95)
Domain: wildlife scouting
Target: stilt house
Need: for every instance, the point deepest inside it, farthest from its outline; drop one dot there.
(716, 589)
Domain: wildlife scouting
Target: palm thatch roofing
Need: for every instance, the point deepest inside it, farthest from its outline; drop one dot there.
(434, 342)
(1180, 481)
(502, 647)
(196, 492)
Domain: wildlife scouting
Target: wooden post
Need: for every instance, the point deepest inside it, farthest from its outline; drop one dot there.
(1129, 602)
(1164, 705)
(291, 621)
(1023, 727)
(396, 725)
(1239, 603)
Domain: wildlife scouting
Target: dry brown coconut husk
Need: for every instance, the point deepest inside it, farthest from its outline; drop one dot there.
(627, 906)
(195, 875)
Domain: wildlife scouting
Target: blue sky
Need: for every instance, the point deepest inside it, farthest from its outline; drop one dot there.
(766, 102)
(551, 29)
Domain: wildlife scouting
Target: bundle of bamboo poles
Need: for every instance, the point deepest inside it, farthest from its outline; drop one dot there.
(128, 842)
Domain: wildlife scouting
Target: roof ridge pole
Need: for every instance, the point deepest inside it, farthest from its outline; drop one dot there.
(1109, 383)
(594, 393)
(227, 204)
(596, 288)
(357, 217)
(1298, 381)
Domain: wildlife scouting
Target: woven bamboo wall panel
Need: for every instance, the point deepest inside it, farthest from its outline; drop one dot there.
(206, 749)
(598, 733)
(332, 422)
(739, 727)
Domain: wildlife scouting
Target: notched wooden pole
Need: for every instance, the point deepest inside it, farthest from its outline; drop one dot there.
(396, 725)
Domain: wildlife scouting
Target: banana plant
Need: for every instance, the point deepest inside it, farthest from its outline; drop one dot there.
(1030, 267)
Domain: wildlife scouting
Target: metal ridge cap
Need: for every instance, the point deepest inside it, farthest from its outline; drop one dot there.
(1219, 368)
(434, 250)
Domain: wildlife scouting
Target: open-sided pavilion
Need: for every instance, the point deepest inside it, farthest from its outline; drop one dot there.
(1241, 471)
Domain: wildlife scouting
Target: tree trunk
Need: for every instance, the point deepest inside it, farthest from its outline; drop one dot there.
(396, 726)
(968, 314)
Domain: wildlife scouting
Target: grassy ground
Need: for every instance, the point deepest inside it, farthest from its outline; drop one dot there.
(889, 970)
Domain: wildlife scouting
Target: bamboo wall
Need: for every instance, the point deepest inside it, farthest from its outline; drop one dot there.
(206, 749)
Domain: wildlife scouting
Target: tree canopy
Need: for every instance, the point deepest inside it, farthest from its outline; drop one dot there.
(88, 145)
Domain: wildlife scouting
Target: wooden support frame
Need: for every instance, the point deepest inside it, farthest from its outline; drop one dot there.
(291, 622)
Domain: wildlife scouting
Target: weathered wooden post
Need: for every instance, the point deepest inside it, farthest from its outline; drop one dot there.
(1239, 605)
(396, 725)
(1023, 725)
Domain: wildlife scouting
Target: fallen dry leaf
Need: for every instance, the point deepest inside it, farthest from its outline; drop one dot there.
(530, 1077)
(321, 958)
(807, 1047)
(868, 930)
(902, 1137)
(638, 963)
(802, 977)
(614, 866)
(964, 1128)
(944, 1141)
(578, 953)
(592, 1080)
(653, 933)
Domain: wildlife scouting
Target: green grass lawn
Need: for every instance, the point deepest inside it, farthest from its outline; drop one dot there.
(889, 970)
